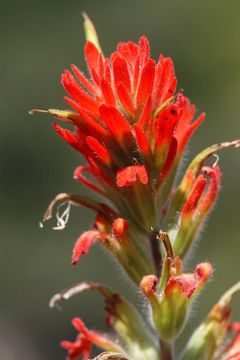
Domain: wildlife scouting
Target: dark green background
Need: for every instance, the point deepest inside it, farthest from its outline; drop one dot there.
(38, 40)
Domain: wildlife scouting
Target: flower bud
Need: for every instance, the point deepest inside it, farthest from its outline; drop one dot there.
(185, 188)
(170, 306)
(149, 285)
(198, 204)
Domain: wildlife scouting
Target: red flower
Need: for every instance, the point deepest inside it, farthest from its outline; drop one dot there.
(171, 295)
(82, 346)
(132, 128)
(127, 102)
(129, 123)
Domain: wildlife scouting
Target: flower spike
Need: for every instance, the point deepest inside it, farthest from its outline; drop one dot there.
(126, 109)
(132, 126)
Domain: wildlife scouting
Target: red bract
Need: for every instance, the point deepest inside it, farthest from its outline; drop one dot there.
(83, 344)
(184, 283)
(130, 174)
(189, 283)
(83, 244)
(129, 123)
(203, 195)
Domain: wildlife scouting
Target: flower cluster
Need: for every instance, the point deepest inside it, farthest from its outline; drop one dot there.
(132, 127)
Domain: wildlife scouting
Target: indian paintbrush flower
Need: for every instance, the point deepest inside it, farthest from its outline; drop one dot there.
(132, 126)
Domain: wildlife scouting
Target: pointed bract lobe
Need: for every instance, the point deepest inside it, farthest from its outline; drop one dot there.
(130, 174)
(83, 244)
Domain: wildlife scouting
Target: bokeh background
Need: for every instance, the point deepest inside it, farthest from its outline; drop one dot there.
(39, 39)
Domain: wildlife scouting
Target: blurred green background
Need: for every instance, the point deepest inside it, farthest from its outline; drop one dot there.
(39, 39)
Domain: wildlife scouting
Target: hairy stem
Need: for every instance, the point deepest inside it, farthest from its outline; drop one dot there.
(165, 350)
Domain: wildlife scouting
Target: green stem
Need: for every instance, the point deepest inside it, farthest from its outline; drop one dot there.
(165, 350)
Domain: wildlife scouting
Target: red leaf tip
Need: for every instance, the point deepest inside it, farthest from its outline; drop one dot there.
(83, 244)
(130, 174)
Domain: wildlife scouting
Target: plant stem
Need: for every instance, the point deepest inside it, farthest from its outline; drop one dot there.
(156, 253)
(165, 350)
